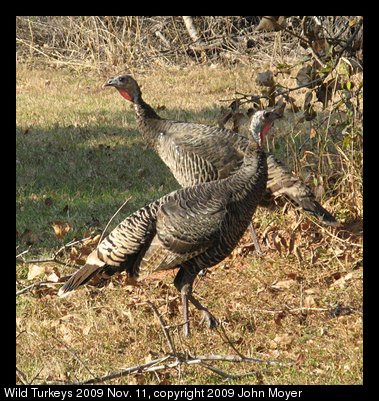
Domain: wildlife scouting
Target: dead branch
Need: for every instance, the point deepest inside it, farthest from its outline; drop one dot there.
(36, 375)
(39, 284)
(23, 253)
(164, 328)
(124, 372)
(238, 358)
(220, 327)
(191, 29)
(21, 376)
(303, 309)
(223, 374)
(54, 258)
(198, 360)
(71, 351)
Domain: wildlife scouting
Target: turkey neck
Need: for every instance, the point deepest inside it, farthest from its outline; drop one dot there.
(146, 120)
(251, 179)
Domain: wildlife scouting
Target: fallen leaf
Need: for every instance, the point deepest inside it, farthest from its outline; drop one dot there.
(278, 318)
(92, 241)
(343, 281)
(85, 250)
(305, 76)
(312, 291)
(265, 79)
(283, 340)
(298, 254)
(312, 133)
(137, 379)
(307, 99)
(86, 329)
(35, 271)
(283, 285)
(277, 243)
(300, 358)
(74, 253)
(309, 302)
(61, 228)
(53, 277)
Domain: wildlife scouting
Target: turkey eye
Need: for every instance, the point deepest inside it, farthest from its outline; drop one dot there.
(122, 79)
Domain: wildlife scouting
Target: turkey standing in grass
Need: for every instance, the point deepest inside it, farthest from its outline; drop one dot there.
(192, 228)
(198, 153)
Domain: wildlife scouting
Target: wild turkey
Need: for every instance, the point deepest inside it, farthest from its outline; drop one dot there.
(199, 153)
(193, 228)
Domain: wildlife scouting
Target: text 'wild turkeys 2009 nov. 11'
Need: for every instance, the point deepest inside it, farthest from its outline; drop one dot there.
(191, 229)
(198, 153)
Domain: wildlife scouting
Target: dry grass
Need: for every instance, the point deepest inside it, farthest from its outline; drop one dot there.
(79, 157)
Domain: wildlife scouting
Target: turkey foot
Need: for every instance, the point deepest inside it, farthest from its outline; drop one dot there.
(186, 293)
(207, 316)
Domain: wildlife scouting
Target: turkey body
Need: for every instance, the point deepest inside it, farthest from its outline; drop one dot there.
(191, 229)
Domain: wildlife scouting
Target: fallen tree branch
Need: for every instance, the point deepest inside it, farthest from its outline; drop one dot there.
(39, 284)
(196, 360)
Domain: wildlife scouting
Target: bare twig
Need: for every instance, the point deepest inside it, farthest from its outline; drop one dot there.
(21, 376)
(164, 327)
(302, 309)
(110, 221)
(57, 253)
(197, 360)
(23, 253)
(227, 376)
(36, 285)
(220, 327)
(346, 242)
(71, 351)
(52, 259)
(239, 358)
(124, 372)
(35, 376)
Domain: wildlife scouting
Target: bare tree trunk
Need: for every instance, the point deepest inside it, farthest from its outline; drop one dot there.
(192, 31)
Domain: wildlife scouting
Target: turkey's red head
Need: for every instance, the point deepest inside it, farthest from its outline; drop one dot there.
(126, 85)
(261, 123)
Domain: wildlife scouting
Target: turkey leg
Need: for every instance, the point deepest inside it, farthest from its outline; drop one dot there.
(183, 283)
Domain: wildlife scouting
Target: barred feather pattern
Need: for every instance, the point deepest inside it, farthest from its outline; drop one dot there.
(198, 153)
(282, 183)
(194, 227)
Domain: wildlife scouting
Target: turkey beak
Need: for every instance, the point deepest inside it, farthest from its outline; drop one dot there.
(276, 112)
(110, 82)
(271, 116)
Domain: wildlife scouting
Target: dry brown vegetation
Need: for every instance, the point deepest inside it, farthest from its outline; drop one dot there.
(79, 157)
